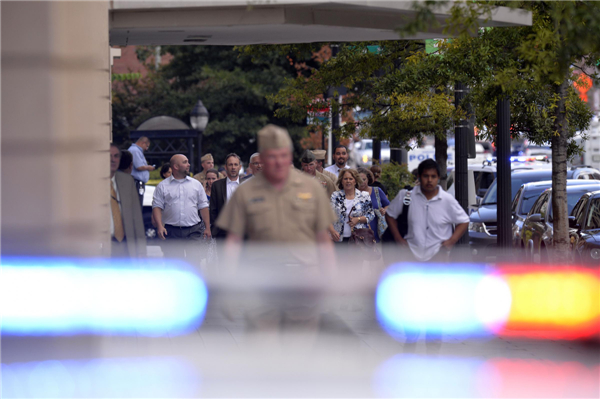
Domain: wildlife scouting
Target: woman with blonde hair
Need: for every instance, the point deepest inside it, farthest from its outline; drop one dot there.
(378, 199)
(353, 207)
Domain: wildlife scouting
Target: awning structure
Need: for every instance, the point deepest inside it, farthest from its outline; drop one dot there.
(273, 22)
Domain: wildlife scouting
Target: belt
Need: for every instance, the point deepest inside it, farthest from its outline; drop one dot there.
(181, 227)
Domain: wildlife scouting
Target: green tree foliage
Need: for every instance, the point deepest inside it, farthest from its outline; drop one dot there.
(535, 67)
(404, 91)
(380, 77)
(395, 177)
(233, 87)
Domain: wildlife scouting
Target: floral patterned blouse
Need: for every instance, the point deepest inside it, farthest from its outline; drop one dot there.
(362, 207)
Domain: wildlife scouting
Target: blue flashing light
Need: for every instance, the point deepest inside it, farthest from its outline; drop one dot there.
(67, 296)
(437, 299)
(151, 377)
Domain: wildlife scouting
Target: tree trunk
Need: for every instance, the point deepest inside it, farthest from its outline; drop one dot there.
(560, 209)
(441, 157)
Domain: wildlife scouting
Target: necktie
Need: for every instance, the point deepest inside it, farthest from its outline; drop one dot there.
(116, 214)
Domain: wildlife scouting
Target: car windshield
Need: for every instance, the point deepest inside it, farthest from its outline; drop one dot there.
(491, 197)
(529, 199)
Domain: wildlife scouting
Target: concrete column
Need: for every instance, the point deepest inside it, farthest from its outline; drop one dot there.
(55, 128)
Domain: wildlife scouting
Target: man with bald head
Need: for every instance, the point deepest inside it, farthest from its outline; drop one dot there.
(175, 206)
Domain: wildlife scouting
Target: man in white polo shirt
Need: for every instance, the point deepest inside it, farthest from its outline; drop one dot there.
(340, 157)
(436, 220)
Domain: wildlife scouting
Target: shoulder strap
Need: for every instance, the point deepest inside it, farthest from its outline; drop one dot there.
(403, 218)
(377, 196)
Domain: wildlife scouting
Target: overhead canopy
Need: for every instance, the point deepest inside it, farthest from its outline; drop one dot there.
(243, 22)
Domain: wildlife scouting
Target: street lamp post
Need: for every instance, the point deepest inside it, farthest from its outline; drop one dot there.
(199, 120)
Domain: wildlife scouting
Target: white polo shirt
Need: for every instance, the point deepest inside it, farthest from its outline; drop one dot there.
(430, 222)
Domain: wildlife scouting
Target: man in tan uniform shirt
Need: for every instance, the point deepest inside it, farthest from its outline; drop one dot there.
(320, 157)
(281, 205)
(309, 166)
(208, 162)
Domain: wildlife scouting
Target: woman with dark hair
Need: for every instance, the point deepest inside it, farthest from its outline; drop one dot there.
(212, 175)
(126, 163)
(352, 207)
(378, 199)
(165, 170)
(376, 170)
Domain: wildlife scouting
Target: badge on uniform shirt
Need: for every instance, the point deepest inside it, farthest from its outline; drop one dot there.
(304, 196)
(257, 199)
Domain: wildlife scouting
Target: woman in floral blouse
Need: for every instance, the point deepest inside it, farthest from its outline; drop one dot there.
(352, 206)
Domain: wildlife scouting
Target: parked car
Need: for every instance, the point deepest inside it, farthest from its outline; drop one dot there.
(484, 174)
(585, 229)
(147, 213)
(524, 200)
(538, 229)
(484, 221)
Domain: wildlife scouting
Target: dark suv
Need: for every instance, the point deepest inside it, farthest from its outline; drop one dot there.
(484, 220)
(538, 229)
(524, 200)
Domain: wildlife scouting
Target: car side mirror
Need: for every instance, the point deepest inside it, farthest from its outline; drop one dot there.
(536, 218)
(573, 223)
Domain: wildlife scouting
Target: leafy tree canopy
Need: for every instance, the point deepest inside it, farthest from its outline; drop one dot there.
(234, 88)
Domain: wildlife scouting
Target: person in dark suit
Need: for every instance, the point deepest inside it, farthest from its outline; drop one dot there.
(128, 235)
(223, 189)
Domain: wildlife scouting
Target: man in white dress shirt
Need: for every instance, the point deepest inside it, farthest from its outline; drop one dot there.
(340, 157)
(175, 206)
(223, 189)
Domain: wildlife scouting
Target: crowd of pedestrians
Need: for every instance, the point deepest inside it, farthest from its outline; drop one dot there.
(274, 202)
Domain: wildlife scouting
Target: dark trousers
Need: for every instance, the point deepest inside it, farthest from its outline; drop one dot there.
(184, 242)
(141, 187)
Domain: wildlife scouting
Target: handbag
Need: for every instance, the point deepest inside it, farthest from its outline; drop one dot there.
(381, 223)
(364, 241)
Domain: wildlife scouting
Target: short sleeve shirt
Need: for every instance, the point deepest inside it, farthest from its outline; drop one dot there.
(295, 214)
(139, 160)
(180, 201)
(430, 222)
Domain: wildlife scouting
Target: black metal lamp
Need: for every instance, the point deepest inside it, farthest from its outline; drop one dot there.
(199, 120)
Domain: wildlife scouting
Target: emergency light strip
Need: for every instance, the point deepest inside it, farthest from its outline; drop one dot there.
(517, 301)
(56, 296)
